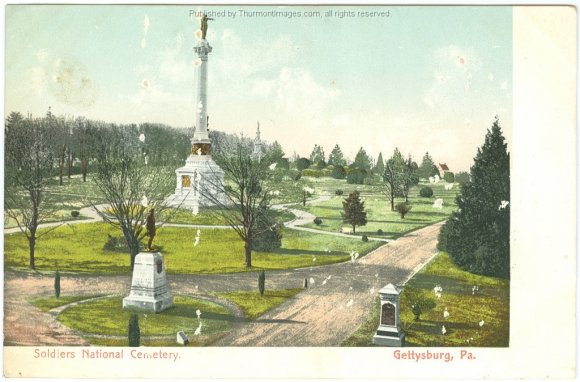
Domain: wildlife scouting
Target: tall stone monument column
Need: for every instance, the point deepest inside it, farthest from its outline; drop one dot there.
(389, 331)
(200, 176)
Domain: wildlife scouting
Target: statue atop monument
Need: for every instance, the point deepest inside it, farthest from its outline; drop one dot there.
(204, 21)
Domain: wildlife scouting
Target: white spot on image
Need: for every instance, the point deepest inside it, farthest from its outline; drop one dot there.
(142, 137)
(503, 204)
(272, 166)
(144, 201)
(445, 314)
(443, 330)
(481, 323)
(198, 314)
(198, 330)
(349, 303)
(311, 281)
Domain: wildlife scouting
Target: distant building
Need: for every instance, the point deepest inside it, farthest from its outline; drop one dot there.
(258, 150)
(443, 168)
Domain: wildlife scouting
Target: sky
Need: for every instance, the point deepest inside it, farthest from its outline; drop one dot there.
(419, 78)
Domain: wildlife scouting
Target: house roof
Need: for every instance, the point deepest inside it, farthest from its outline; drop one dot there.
(444, 166)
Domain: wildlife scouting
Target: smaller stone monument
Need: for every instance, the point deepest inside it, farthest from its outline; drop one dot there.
(182, 338)
(389, 332)
(149, 288)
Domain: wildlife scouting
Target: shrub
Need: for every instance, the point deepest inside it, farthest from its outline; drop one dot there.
(297, 176)
(365, 238)
(262, 282)
(462, 177)
(57, 284)
(426, 192)
(75, 214)
(134, 331)
(419, 301)
(317, 221)
(403, 209)
(302, 163)
(116, 244)
(380, 232)
(356, 176)
(269, 240)
(312, 172)
(338, 192)
(449, 177)
(338, 172)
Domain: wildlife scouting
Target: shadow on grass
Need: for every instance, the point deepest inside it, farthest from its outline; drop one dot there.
(295, 252)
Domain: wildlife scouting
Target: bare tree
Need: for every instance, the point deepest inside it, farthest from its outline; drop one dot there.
(129, 186)
(246, 207)
(28, 166)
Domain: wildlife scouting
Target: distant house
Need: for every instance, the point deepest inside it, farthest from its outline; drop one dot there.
(443, 168)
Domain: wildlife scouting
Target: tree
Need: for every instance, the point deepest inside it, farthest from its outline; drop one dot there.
(338, 172)
(261, 282)
(57, 284)
(247, 208)
(274, 153)
(380, 165)
(302, 163)
(462, 177)
(427, 168)
(317, 157)
(362, 160)
(449, 177)
(403, 209)
(129, 186)
(409, 177)
(354, 211)
(393, 177)
(336, 158)
(134, 334)
(356, 176)
(477, 235)
(29, 159)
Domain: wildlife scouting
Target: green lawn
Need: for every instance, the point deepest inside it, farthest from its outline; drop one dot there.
(380, 216)
(106, 317)
(209, 216)
(254, 305)
(79, 248)
(47, 303)
(466, 310)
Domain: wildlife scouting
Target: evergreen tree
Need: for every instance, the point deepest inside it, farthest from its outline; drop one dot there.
(380, 165)
(134, 334)
(393, 177)
(477, 236)
(409, 177)
(317, 156)
(428, 167)
(354, 211)
(274, 152)
(362, 160)
(336, 158)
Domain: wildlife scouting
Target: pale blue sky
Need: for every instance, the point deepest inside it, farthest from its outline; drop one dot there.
(424, 78)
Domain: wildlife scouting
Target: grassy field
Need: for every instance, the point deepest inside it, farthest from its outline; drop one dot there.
(207, 216)
(110, 319)
(379, 215)
(47, 303)
(79, 248)
(106, 317)
(489, 306)
(254, 305)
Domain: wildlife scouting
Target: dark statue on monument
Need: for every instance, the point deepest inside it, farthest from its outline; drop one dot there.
(204, 21)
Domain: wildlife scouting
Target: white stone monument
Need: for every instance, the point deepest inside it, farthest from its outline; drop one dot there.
(149, 288)
(200, 176)
(389, 332)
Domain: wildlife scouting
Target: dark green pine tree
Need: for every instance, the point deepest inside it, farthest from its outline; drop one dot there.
(477, 236)
(362, 160)
(354, 211)
(336, 158)
(134, 331)
(380, 165)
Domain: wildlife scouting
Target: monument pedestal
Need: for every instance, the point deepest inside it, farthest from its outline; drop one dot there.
(389, 332)
(149, 289)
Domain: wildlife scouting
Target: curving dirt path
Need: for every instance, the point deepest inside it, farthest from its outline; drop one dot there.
(324, 315)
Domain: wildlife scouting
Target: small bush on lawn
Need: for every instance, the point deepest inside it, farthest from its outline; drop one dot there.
(115, 244)
(75, 214)
(403, 209)
(338, 192)
(426, 192)
(317, 221)
(365, 238)
(380, 232)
